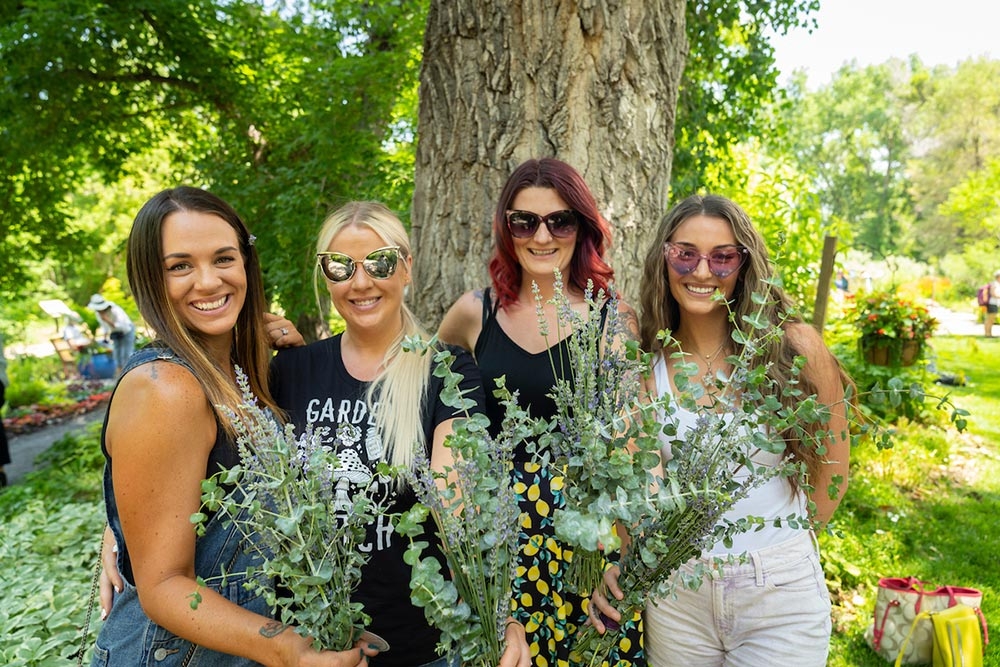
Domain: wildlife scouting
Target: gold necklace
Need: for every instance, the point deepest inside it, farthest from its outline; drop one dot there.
(710, 359)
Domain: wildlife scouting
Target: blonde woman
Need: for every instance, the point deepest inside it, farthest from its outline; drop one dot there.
(361, 383)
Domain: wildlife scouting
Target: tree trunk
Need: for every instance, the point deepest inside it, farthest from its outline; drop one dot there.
(590, 82)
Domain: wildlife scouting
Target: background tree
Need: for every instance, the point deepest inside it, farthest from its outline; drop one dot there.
(852, 136)
(959, 138)
(592, 84)
(284, 114)
(729, 89)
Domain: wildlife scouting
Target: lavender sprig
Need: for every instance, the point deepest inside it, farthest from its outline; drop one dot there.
(606, 473)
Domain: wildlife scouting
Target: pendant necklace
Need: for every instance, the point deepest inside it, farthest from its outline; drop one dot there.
(710, 359)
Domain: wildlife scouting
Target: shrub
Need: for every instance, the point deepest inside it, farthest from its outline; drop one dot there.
(34, 381)
(52, 524)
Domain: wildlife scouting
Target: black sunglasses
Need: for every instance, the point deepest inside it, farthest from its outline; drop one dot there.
(524, 224)
(379, 264)
(721, 261)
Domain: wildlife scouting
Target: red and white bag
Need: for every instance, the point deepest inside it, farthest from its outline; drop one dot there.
(897, 604)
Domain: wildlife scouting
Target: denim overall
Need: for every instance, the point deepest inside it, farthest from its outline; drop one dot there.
(128, 638)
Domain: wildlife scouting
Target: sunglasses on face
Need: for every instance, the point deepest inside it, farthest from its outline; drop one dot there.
(524, 224)
(379, 264)
(721, 261)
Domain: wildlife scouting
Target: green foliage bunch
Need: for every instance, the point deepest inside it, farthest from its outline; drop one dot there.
(736, 442)
(289, 497)
(51, 524)
(475, 514)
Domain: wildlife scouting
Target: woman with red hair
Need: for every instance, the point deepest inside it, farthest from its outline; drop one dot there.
(546, 223)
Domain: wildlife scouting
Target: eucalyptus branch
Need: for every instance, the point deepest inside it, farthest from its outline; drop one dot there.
(474, 513)
(281, 497)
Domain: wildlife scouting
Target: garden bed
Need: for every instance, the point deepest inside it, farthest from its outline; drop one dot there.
(85, 396)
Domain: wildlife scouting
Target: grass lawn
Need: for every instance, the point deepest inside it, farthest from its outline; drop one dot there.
(929, 507)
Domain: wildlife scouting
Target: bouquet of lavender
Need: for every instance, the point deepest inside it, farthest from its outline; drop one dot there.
(475, 512)
(593, 437)
(289, 496)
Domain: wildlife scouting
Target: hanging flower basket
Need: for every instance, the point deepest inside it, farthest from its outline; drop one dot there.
(884, 351)
(893, 329)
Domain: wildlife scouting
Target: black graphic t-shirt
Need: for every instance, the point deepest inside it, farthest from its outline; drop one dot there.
(313, 386)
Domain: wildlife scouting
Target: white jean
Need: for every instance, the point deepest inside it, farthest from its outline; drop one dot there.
(772, 610)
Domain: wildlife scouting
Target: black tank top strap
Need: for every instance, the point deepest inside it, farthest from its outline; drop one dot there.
(604, 312)
(489, 306)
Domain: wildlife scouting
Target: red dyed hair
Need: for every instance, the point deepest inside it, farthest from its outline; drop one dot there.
(592, 238)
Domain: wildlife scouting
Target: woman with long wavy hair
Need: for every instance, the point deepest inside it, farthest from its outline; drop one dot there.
(706, 277)
(195, 275)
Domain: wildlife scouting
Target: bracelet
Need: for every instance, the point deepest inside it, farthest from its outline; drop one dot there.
(511, 622)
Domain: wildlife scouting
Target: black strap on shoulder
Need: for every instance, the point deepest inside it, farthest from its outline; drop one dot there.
(604, 312)
(489, 307)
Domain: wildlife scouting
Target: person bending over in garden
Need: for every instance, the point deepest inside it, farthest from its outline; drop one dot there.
(196, 278)
(773, 607)
(546, 220)
(118, 326)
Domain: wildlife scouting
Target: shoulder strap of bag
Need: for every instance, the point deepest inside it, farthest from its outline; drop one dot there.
(878, 630)
(953, 591)
(982, 623)
(902, 649)
(920, 588)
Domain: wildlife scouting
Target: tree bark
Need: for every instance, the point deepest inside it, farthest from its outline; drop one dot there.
(591, 82)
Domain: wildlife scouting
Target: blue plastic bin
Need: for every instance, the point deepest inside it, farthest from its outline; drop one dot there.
(98, 367)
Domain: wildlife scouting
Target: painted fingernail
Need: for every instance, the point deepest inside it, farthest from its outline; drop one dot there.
(373, 647)
(104, 613)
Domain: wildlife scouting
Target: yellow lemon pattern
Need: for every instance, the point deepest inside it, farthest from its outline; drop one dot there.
(550, 612)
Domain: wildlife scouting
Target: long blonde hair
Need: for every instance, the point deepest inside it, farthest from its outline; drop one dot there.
(400, 388)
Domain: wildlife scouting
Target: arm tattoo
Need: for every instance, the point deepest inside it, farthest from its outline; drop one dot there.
(630, 323)
(272, 629)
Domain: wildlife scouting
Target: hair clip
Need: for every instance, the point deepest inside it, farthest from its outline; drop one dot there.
(252, 240)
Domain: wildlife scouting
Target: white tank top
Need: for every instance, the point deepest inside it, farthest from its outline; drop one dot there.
(774, 499)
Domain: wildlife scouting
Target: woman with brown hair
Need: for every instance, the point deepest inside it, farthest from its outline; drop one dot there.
(706, 277)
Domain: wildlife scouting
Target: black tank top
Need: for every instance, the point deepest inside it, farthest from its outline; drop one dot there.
(531, 375)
